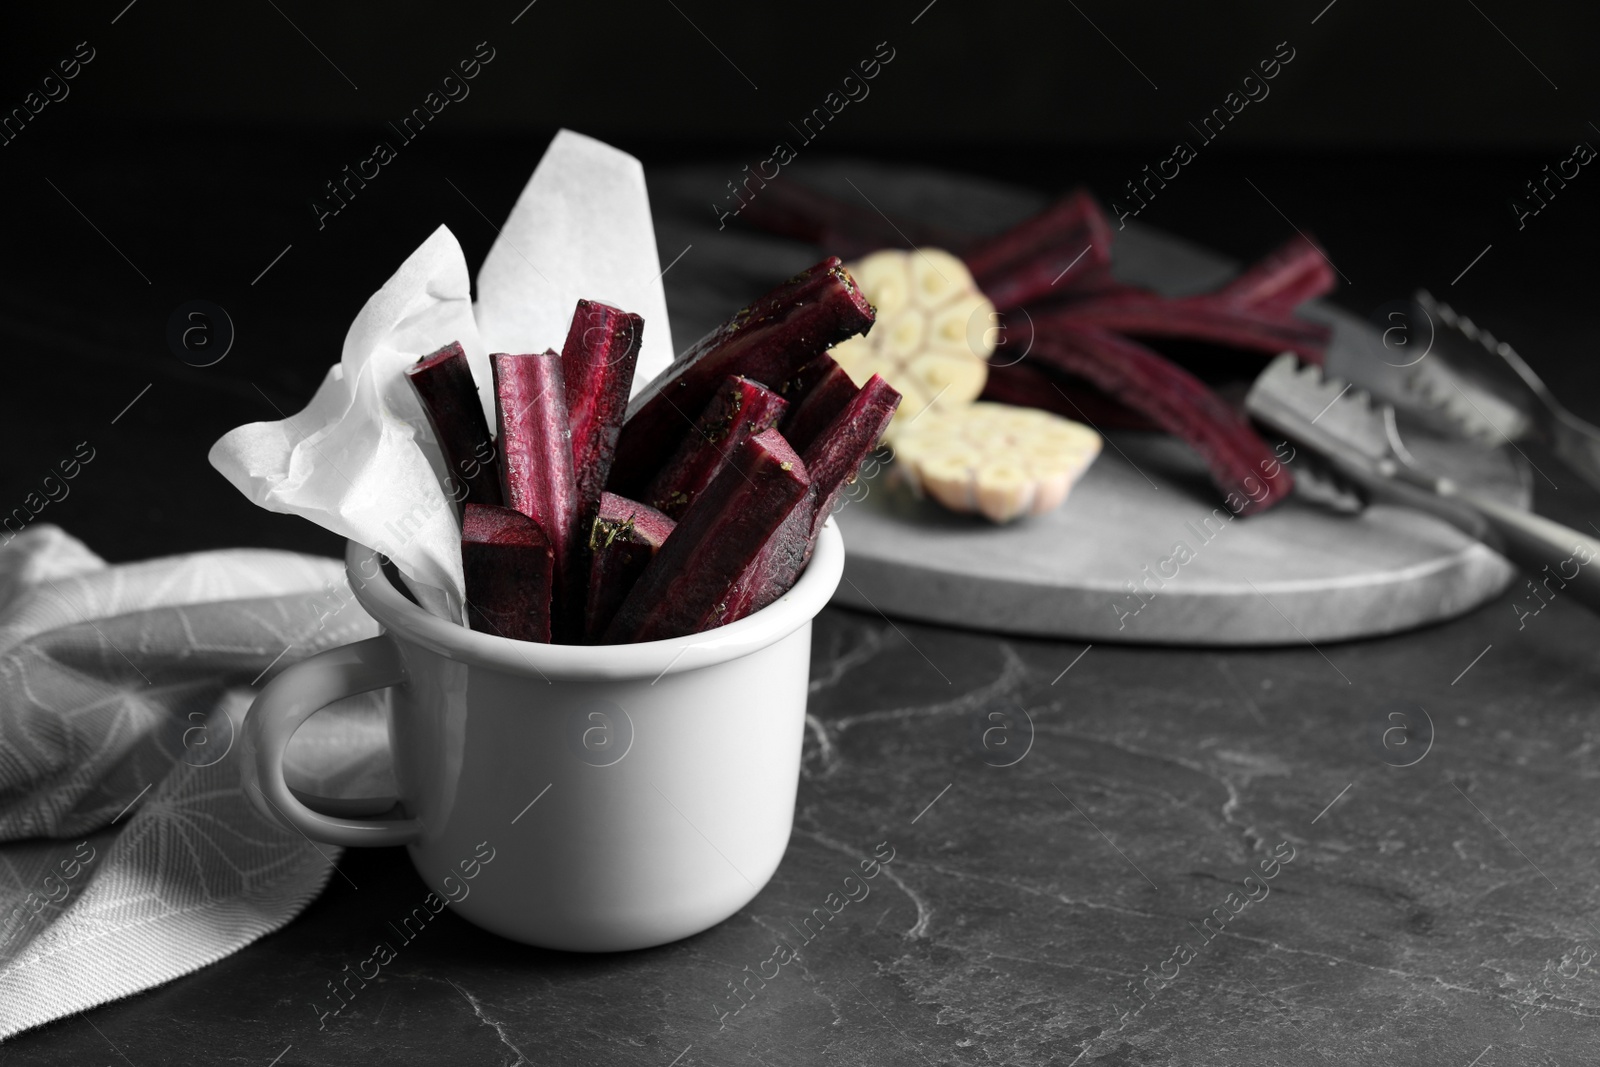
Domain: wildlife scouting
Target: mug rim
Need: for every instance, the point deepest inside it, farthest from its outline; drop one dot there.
(642, 659)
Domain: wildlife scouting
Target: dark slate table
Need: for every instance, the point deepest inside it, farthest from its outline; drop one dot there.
(1431, 902)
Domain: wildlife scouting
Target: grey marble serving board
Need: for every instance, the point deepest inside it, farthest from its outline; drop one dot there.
(1296, 573)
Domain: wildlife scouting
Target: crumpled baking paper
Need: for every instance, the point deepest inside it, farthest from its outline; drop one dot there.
(360, 459)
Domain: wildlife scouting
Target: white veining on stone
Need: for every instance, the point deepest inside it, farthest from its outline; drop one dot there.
(499, 1027)
(918, 929)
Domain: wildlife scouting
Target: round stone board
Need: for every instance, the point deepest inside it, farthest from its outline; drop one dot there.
(1296, 573)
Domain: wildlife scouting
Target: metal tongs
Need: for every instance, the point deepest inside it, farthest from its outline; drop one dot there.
(1478, 387)
(1360, 442)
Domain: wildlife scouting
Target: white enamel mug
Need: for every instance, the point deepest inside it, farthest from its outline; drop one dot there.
(589, 798)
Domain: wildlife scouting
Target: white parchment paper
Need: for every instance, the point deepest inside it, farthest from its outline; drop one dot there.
(360, 459)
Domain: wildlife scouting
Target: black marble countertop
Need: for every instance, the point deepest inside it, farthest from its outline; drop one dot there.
(1429, 904)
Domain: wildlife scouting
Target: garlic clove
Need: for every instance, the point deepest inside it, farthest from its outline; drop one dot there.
(1003, 489)
(903, 336)
(953, 380)
(883, 277)
(937, 277)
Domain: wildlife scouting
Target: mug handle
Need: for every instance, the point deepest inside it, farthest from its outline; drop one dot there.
(288, 701)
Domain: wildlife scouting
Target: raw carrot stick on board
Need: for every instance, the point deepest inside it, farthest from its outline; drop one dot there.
(1296, 271)
(1199, 318)
(1176, 401)
(1067, 242)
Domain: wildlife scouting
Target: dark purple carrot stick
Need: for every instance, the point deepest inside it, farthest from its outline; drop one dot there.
(1176, 401)
(1294, 272)
(828, 396)
(625, 537)
(536, 468)
(507, 562)
(1199, 318)
(766, 341)
(798, 385)
(832, 461)
(740, 409)
(779, 563)
(835, 456)
(1031, 384)
(1044, 254)
(597, 364)
(449, 396)
(686, 587)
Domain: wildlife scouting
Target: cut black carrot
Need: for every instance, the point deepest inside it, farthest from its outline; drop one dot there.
(1033, 384)
(1199, 318)
(766, 341)
(737, 411)
(828, 396)
(508, 566)
(1179, 403)
(798, 385)
(597, 365)
(449, 396)
(777, 566)
(1045, 254)
(623, 540)
(1296, 271)
(536, 468)
(686, 587)
(832, 461)
(834, 457)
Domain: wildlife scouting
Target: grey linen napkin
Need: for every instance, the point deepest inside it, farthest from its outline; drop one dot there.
(128, 853)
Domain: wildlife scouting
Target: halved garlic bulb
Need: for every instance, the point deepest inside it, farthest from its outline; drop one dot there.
(999, 461)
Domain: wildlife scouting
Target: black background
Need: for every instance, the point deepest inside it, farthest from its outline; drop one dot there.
(716, 71)
(188, 152)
